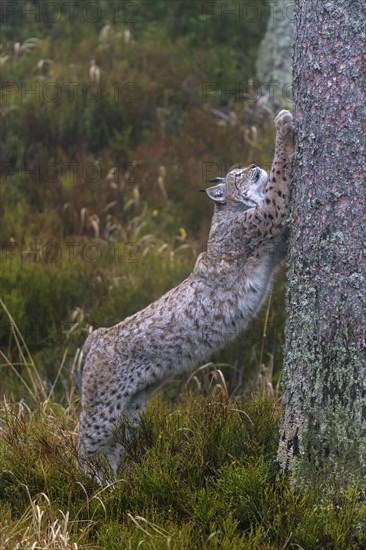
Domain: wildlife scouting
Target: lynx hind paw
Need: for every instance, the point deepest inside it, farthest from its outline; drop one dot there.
(284, 123)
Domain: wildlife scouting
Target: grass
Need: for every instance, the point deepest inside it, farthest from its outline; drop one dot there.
(199, 472)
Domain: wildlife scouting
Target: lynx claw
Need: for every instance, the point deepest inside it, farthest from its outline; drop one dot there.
(284, 123)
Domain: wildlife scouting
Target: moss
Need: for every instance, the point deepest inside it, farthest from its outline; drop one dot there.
(323, 368)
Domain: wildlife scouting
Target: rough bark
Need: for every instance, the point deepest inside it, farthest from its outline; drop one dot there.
(274, 63)
(323, 432)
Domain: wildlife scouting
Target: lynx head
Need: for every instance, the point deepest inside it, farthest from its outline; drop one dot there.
(240, 189)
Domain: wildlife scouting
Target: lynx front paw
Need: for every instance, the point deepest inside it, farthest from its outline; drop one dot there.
(284, 123)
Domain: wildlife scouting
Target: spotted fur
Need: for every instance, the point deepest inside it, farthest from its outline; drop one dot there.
(229, 283)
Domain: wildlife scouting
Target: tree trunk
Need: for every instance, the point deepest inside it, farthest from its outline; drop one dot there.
(323, 434)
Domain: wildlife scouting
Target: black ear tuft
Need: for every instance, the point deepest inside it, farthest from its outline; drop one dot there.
(215, 180)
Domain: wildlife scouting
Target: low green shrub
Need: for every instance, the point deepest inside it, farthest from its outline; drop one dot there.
(198, 473)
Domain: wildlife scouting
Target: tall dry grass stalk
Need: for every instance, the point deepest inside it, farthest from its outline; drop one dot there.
(30, 378)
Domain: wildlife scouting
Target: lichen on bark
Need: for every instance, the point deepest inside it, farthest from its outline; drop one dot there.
(323, 433)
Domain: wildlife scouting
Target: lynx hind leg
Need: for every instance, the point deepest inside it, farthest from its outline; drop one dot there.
(128, 422)
(100, 438)
(94, 442)
(134, 408)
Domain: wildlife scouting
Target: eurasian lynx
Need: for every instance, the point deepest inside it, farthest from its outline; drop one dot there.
(228, 285)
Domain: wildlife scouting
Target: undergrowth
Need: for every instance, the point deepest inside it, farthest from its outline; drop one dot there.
(199, 473)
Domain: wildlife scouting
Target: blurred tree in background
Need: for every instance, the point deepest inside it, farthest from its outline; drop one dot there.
(274, 61)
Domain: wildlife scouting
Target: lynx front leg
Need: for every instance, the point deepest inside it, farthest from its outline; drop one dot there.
(277, 188)
(270, 218)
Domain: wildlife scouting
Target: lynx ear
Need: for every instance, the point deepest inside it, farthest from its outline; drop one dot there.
(217, 193)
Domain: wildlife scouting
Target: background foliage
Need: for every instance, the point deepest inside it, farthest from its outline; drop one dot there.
(100, 210)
